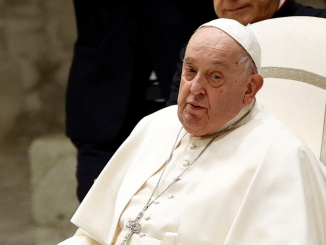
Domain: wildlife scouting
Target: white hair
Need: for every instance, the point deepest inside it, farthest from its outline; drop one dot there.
(247, 61)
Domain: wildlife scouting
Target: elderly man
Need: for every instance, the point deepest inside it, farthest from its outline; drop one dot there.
(218, 168)
(257, 10)
(246, 12)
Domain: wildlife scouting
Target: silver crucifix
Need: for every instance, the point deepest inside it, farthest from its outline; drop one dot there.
(134, 226)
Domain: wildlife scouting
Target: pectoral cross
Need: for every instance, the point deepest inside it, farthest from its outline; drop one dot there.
(134, 226)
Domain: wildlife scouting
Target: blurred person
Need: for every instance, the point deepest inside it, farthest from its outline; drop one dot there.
(119, 44)
(249, 11)
(218, 168)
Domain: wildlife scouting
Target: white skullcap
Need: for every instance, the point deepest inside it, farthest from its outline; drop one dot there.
(242, 34)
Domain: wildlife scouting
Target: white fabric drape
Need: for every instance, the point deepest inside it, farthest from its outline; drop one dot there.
(260, 184)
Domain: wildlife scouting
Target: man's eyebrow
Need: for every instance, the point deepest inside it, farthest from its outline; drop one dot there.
(220, 63)
(189, 59)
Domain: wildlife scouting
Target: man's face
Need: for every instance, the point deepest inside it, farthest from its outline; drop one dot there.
(213, 83)
(246, 11)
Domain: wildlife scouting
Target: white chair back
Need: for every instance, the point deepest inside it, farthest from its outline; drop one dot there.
(294, 70)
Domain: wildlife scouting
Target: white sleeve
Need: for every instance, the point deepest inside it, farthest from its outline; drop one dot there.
(80, 238)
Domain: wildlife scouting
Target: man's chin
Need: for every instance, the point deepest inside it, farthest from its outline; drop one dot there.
(244, 19)
(192, 124)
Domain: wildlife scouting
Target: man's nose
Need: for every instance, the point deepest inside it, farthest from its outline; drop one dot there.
(197, 85)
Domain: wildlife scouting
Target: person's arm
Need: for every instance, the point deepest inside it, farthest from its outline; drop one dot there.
(173, 100)
(80, 238)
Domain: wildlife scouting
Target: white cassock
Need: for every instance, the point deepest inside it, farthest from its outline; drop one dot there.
(258, 184)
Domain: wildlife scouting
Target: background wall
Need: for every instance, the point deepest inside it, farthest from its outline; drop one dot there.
(36, 44)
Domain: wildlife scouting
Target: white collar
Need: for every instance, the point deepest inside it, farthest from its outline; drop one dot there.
(243, 111)
(280, 4)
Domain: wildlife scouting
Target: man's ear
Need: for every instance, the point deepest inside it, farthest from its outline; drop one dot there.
(254, 85)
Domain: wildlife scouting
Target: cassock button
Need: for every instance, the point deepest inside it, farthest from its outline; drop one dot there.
(156, 202)
(141, 234)
(170, 196)
(192, 146)
(147, 218)
(185, 163)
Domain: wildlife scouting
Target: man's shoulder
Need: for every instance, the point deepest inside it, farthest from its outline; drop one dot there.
(277, 146)
(160, 121)
(284, 138)
(268, 126)
(163, 116)
(310, 11)
(292, 8)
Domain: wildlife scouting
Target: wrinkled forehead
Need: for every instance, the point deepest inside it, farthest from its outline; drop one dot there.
(242, 34)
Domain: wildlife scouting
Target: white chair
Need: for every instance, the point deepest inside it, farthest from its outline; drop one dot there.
(294, 70)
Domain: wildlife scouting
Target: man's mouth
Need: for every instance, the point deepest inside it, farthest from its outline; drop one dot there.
(195, 106)
(236, 9)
